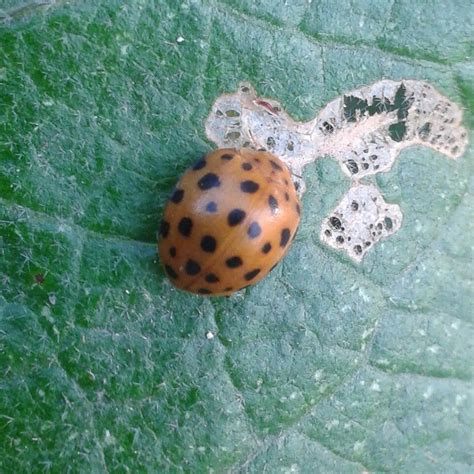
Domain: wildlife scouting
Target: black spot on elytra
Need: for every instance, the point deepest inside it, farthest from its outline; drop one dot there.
(204, 291)
(208, 181)
(273, 203)
(208, 243)
(254, 230)
(173, 251)
(247, 166)
(227, 157)
(211, 207)
(276, 166)
(234, 262)
(200, 164)
(251, 275)
(285, 237)
(177, 196)
(192, 267)
(212, 278)
(298, 208)
(287, 197)
(169, 270)
(267, 247)
(235, 217)
(229, 288)
(249, 186)
(185, 226)
(164, 229)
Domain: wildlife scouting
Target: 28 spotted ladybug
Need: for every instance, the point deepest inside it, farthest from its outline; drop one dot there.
(228, 222)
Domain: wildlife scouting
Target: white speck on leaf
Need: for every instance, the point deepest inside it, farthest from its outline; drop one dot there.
(367, 333)
(318, 374)
(323, 387)
(365, 297)
(375, 387)
(332, 424)
(429, 391)
(359, 446)
(108, 438)
(52, 299)
(460, 399)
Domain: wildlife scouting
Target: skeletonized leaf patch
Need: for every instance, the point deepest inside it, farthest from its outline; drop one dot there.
(364, 130)
(360, 220)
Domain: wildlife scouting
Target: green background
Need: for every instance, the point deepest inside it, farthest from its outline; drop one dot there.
(325, 366)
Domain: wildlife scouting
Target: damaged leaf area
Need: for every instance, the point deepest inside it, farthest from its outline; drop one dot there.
(360, 220)
(364, 130)
(325, 366)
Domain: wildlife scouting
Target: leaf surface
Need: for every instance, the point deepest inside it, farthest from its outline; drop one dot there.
(325, 366)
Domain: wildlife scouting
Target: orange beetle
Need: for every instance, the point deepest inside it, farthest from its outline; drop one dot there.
(228, 222)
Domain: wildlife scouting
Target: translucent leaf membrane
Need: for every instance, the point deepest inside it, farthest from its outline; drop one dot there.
(364, 130)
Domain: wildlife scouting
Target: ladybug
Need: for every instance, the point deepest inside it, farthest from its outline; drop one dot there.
(229, 221)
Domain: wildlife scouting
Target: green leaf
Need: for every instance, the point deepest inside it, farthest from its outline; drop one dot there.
(326, 365)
